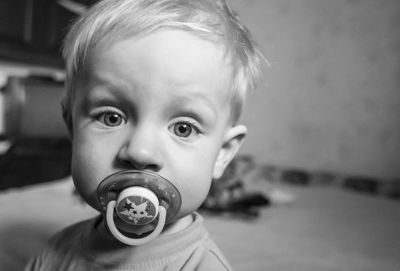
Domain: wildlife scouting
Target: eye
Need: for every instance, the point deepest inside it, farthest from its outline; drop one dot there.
(111, 119)
(185, 130)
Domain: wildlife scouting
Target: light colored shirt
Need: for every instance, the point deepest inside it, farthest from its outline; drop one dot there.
(82, 247)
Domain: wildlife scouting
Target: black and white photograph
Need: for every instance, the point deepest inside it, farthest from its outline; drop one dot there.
(207, 135)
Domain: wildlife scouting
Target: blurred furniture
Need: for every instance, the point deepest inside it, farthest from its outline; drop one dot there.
(39, 147)
(31, 31)
(34, 160)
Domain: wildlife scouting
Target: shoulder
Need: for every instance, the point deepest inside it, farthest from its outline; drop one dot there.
(70, 233)
(213, 258)
(62, 245)
(207, 255)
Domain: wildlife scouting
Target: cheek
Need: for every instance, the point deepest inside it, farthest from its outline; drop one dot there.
(88, 169)
(195, 179)
(194, 193)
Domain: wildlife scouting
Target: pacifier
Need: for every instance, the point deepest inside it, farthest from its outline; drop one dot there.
(138, 199)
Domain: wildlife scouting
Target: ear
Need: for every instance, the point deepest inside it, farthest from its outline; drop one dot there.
(232, 141)
(66, 113)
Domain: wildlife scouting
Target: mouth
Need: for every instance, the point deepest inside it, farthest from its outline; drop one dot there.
(137, 205)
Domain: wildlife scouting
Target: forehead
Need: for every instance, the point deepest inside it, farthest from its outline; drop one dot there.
(167, 59)
(164, 49)
(174, 55)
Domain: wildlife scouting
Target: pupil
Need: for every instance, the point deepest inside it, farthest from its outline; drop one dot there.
(113, 118)
(183, 130)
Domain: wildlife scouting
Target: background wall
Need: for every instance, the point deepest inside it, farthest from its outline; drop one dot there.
(331, 98)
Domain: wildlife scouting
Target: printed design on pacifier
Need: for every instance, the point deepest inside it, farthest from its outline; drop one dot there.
(139, 199)
(138, 210)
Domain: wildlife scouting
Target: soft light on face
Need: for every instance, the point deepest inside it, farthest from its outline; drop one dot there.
(158, 103)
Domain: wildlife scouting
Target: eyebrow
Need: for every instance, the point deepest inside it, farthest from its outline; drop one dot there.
(109, 84)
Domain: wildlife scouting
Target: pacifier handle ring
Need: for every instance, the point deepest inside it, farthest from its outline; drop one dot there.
(162, 213)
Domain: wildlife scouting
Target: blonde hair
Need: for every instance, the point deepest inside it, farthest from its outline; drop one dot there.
(112, 20)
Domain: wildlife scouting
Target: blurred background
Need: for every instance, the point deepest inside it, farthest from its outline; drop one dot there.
(331, 97)
(329, 100)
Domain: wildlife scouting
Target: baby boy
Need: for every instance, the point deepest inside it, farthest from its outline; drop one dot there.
(154, 92)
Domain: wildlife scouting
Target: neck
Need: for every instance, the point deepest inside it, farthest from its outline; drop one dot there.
(178, 225)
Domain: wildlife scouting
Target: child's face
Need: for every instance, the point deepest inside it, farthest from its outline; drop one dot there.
(160, 103)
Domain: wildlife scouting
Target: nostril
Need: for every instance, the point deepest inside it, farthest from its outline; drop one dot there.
(130, 164)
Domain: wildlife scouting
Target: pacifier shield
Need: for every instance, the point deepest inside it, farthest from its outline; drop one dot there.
(158, 191)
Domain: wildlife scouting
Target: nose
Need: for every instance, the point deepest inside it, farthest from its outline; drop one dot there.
(141, 150)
